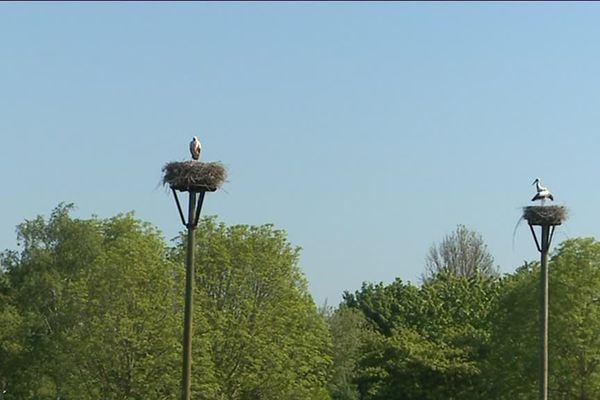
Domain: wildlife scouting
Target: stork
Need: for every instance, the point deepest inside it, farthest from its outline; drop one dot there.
(195, 148)
(542, 192)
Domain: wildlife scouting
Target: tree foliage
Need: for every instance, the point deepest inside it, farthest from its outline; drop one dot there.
(424, 343)
(262, 329)
(99, 307)
(348, 329)
(574, 326)
(93, 310)
(462, 253)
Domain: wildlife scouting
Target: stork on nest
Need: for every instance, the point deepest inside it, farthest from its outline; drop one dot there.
(543, 215)
(194, 175)
(542, 192)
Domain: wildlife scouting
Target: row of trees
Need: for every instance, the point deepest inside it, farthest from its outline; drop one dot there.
(91, 309)
(472, 337)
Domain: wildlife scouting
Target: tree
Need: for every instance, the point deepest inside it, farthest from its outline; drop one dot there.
(424, 343)
(574, 321)
(100, 310)
(11, 344)
(261, 327)
(93, 309)
(348, 330)
(462, 253)
(513, 362)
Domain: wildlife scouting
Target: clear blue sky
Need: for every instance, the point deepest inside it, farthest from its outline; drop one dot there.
(366, 130)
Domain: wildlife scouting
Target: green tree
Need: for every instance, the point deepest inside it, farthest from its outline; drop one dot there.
(93, 310)
(265, 336)
(462, 253)
(574, 322)
(348, 330)
(101, 310)
(424, 343)
(11, 344)
(512, 365)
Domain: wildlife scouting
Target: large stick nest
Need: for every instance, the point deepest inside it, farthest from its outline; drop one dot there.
(194, 176)
(545, 215)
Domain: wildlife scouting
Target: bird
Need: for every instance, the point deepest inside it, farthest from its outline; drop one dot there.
(542, 192)
(195, 148)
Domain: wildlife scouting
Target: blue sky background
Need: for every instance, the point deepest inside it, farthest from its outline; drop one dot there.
(367, 131)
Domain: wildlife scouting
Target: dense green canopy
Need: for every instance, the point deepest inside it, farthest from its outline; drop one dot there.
(92, 309)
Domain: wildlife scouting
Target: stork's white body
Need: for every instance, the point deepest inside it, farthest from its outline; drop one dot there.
(195, 148)
(542, 192)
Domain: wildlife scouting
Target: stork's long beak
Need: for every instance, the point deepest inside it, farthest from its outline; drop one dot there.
(535, 181)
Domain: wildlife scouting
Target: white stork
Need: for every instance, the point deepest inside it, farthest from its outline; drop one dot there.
(195, 148)
(542, 192)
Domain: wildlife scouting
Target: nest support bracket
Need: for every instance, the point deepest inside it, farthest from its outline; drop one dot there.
(541, 247)
(194, 222)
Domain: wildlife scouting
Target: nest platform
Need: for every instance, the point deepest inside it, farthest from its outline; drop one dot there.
(545, 215)
(194, 176)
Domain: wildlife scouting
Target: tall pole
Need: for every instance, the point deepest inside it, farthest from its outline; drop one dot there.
(544, 313)
(196, 178)
(189, 295)
(548, 218)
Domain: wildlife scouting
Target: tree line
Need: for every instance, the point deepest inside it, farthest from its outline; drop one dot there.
(92, 309)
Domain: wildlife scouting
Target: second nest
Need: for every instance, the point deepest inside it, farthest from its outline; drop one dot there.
(544, 215)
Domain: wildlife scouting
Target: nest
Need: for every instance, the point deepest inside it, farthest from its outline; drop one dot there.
(194, 176)
(544, 215)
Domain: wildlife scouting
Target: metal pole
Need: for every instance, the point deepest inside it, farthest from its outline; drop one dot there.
(544, 313)
(189, 294)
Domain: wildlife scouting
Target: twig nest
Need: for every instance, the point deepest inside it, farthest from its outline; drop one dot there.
(194, 176)
(545, 215)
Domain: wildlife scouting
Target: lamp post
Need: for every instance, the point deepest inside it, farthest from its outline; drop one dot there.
(196, 178)
(547, 217)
